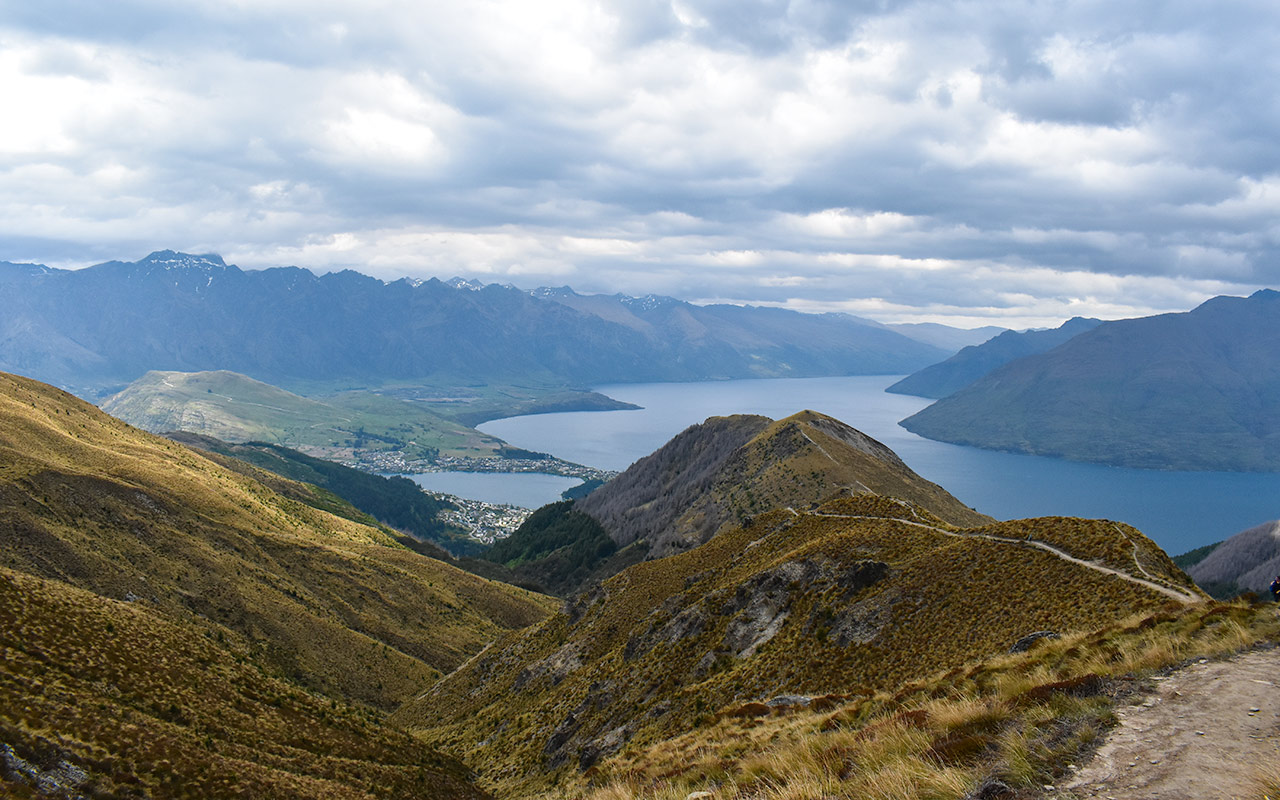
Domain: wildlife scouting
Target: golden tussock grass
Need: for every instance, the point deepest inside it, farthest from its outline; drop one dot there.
(149, 707)
(647, 649)
(1266, 781)
(330, 602)
(1019, 718)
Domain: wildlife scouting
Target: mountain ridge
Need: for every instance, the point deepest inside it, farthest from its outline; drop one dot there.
(971, 363)
(851, 598)
(1197, 390)
(1244, 562)
(716, 474)
(781, 463)
(172, 311)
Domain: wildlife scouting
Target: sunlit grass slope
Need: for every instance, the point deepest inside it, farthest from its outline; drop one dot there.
(1021, 720)
(236, 408)
(728, 469)
(334, 604)
(855, 597)
(103, 698)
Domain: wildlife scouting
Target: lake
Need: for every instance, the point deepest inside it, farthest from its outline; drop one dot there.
(1179, 510)
(525, 489)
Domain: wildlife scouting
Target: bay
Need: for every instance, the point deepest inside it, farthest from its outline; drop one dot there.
(1179, 510)
(524, 489)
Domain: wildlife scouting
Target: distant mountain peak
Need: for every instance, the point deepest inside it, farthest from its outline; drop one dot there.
(463, 283)
(553, 292)
(170, 259)
(649, 302)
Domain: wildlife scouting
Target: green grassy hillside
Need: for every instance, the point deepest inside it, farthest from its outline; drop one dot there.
(103, 698)
(557, 548)
(394, 501)
(854, 597)
(331, 603)
(236, 408)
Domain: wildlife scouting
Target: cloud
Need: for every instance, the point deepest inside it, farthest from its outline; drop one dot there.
(1003, 159)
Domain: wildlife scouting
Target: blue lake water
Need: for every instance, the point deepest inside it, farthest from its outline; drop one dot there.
(1179, 510)
(526, 489)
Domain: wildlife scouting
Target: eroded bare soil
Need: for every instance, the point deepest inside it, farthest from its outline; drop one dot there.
(1202, 735)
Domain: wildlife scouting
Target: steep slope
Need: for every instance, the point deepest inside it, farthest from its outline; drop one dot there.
(729, 468)
(971, 363)
(104, 698)
(334, 604)
(558, 549)
(237, 408)
(858, 595)
(1197, 391)
(394, 501)
(1248, 561)
(716, 474)
(108, 324)
(1005, 727)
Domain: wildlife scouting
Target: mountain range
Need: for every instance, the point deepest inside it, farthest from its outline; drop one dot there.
(106, 325)
(971, 363)
(1198, 390)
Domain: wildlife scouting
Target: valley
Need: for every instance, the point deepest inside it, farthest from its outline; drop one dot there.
(1179, 510)
(663, 400)
(722, 593)
(755, 586)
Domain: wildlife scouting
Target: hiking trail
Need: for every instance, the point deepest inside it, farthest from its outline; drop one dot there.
(1202, 735)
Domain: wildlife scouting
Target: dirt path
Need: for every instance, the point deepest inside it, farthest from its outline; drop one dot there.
(1200, 737)
(1181, 595)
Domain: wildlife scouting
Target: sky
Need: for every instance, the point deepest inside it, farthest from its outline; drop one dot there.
(1005, 162)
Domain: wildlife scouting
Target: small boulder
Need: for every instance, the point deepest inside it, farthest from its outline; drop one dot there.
(1024, 644)
(789, 701)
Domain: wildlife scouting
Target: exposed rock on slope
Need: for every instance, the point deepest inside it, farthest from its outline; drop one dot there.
(1197, 391)
(1248, 561)
(334, 604)
(859, 594)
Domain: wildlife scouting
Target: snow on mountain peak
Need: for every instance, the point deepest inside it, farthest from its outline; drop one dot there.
(463, 283)
(649, 302)
(169, 259)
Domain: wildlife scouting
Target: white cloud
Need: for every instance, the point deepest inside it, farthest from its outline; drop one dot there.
(971, 160)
